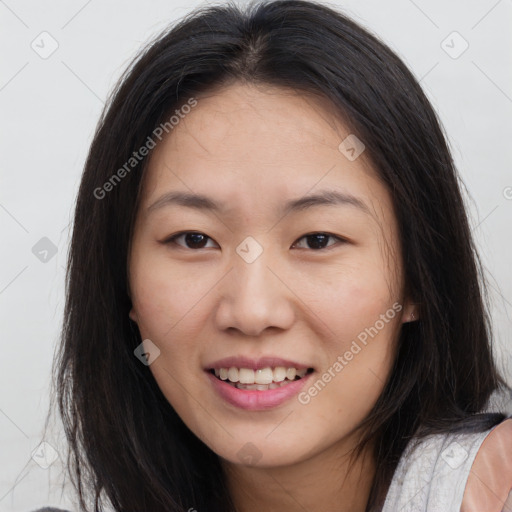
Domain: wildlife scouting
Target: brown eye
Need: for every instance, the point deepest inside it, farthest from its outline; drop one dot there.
(192, 239)
(318, 241)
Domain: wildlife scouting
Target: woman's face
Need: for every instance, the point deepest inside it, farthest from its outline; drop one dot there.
(314, 286)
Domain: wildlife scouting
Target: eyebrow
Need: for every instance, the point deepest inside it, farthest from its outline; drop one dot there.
(202, 202)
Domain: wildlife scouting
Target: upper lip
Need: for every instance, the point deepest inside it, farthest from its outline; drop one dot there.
(255, 364)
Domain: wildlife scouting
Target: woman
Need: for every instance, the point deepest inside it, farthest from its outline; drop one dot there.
(273, 298)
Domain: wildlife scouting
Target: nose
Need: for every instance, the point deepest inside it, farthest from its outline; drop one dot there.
(254, 297)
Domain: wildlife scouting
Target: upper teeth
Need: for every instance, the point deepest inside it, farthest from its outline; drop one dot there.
(261, 376)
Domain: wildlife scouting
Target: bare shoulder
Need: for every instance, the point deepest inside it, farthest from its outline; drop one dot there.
(490, 479)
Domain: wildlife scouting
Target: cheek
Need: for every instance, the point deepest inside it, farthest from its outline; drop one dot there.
(171, 314)
(351, 297)
(165, 295)
(360, 317)
(357, 367)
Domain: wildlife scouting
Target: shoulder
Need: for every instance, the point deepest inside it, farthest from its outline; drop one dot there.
(490, 479)
(434, 470)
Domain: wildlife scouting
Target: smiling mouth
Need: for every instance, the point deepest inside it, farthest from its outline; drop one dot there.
(261, 380)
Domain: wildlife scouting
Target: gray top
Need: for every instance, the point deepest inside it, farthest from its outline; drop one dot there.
(432, 476)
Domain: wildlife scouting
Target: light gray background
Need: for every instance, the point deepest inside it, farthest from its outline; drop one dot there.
(49, 111)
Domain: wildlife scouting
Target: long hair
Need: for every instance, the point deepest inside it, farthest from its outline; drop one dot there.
(126, 443)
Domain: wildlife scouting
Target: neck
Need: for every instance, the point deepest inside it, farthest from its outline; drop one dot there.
(326, 481)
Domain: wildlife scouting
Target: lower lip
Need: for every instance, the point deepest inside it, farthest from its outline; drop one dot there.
(253, 399)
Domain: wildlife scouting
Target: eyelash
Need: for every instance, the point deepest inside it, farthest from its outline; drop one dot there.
(172, 239)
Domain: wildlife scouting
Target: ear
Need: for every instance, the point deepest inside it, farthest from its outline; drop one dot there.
(133, 315)
(411, 312)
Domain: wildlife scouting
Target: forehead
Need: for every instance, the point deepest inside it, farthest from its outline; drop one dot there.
(249, 146)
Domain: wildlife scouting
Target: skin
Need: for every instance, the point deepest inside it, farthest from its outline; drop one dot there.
(253, 148)
(490, 479)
